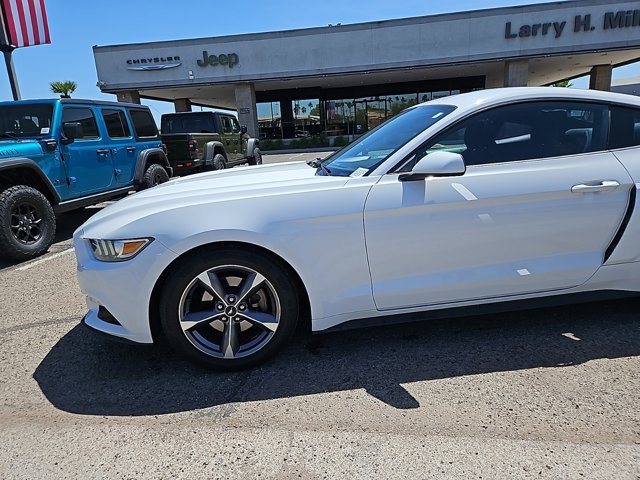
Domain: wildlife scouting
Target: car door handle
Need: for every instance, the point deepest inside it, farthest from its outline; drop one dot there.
(597, 186)
(131, 149)
(102, 151)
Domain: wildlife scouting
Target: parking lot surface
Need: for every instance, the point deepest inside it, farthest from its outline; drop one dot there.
(550, 393)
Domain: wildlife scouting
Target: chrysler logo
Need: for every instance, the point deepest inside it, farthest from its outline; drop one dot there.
(153, 63)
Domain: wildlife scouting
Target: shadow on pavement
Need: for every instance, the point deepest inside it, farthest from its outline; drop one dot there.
(67, 223)
(88, 374)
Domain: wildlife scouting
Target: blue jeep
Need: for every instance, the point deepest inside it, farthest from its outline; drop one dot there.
(60, 155)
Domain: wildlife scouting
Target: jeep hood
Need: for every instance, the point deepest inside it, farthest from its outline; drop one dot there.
(211, 194)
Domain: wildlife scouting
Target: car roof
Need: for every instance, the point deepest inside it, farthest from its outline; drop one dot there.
(492, 96)
(75, 101)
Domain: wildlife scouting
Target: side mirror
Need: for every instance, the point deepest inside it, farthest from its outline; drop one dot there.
(436, 164)
(243, 129)
(71, 131)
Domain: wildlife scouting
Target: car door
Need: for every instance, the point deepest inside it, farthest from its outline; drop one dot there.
(122, 144)
(535, 211)
(88, 158)
(229, 139)
(240, 140)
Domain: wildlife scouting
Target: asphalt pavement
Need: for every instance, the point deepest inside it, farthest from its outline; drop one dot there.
(550, 393)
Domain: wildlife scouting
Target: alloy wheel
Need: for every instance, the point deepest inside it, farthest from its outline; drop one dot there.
(25, 223)
(229, 311)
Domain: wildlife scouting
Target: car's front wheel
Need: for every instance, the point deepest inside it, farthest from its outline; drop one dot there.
(228, 309)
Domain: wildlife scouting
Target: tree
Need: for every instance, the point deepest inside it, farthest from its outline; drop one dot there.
(563, 83)
(64, 88)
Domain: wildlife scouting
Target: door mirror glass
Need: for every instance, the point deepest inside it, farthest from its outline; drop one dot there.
(436, 164)
(71, 131)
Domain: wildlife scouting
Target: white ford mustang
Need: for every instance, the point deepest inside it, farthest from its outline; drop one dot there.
(474, 201)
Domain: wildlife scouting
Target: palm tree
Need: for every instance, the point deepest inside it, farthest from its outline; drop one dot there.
(64, 88)
(563, 83)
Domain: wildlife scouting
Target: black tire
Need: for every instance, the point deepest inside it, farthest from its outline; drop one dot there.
(218, 162)
(27, 223)
(154, 175)
(183, 294)
(257, 158)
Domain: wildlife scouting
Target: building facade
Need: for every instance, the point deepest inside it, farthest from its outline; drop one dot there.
(346, 79)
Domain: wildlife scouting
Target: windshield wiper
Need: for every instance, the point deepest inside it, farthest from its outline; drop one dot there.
(9, 135)
(317, 163)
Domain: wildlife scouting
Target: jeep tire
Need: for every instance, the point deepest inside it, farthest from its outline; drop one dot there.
(256, 159)
(27, 223)
(218, 162)
(154, 175)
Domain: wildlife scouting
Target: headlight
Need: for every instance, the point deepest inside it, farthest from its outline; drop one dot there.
(118, 250)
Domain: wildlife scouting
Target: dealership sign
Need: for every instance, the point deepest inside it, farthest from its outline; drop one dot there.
(228, 60)
(153, 63)
(581, 23)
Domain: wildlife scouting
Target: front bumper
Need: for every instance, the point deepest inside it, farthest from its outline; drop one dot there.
(123, 288)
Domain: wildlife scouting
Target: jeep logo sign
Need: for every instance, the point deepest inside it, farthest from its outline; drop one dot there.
(229, 59)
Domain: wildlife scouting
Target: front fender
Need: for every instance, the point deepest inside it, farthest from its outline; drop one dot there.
(15, 163)
(252, 144)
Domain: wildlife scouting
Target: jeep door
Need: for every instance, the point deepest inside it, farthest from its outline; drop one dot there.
(87, 159)
(229, 139)
(122, 144)
(242, 138)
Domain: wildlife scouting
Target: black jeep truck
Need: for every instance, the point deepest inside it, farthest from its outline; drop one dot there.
(203, 141)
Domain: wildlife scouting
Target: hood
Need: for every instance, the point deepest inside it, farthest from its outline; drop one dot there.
(10, 147)
(207, 191)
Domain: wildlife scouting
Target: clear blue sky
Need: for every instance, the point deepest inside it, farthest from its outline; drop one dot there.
(77, 25)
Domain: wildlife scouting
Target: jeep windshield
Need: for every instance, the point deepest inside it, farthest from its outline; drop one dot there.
(24, 121)
(370, 150)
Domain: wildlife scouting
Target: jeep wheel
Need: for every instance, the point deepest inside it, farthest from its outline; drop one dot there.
(256, 159)
(155, 175)
(218, 162)
(27, 223)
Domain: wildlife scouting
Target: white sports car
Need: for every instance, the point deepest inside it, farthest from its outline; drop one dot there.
(468, 202)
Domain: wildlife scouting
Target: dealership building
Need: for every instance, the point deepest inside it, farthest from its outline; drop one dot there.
(346, 79)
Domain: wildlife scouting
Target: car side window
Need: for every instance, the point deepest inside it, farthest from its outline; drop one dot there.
(625, 127)
(226, 124)
(235, 126)
(143, 123)
(83, 116)
(526, 131)
(116, 122)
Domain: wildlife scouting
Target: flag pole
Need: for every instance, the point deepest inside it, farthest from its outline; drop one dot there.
(7, 49)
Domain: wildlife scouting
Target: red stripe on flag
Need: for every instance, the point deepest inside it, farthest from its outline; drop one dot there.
(34, 22)
(45, 22)
(23, 24)
(11, 23)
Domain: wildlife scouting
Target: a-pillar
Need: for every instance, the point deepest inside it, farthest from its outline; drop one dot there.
(600, 77)
(128, 96)
(516, 73)
(247, 110)
(182, 105)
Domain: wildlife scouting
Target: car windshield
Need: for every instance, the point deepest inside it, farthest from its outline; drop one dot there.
(370, 150)
(29, 120)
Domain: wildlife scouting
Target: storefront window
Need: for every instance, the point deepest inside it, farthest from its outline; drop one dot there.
(269, 120)
(306, 114)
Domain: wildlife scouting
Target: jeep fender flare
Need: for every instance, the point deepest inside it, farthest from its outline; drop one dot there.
(252, 144)
(210, 151)
(46, 187)
(143, 158)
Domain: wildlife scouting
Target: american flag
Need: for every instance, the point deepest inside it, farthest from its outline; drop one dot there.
(26, 22)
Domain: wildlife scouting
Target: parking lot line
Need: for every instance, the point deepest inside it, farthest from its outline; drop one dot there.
(42, 260)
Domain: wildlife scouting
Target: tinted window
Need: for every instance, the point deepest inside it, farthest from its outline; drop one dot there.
(526, 131)
(188, 123)
(143, 123)
(235, 126)
(226, 124)
(116, 123)
(25, 120)
(85, 117)
(625, 127)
